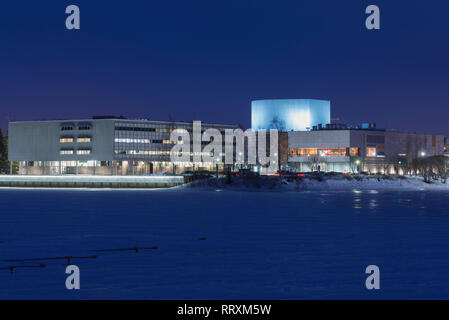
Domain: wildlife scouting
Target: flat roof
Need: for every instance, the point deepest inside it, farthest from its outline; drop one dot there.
(127, 120)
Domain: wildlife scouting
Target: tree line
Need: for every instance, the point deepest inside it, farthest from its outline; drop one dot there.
(4, 163)
(430, 168)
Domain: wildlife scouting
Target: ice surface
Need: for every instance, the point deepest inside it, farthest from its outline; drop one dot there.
(259, 245)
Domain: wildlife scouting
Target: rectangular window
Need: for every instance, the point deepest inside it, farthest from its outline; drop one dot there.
(353, 151)
(84, 126)
(127, 140)
(371, 152)
(165, 141)
(66, 140)
(142, 152)
(65, 152)
(375, 139)
(120, 128)
(333, 152)
(307, 152)
(83, 139)
(83, 151)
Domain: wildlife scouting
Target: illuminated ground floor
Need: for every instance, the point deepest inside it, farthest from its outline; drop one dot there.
(114, 168)
(343, 165)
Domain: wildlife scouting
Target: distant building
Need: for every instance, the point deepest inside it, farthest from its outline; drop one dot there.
(289, 114)
(102, 145)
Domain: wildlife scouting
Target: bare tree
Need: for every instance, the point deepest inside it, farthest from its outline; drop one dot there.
(405, 166)
(354, 163)
(439, 164)
(425, 169)
(314, 161)
(277, 124)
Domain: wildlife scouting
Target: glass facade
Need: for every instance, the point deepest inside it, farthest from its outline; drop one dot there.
(321, 152)
(371, 152)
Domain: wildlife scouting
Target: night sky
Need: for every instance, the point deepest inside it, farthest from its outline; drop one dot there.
(207, 59)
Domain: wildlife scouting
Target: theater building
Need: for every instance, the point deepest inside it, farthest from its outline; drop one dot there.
(339, 148)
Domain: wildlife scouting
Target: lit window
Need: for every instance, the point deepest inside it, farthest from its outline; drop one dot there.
(353, 152)
(66, 140)
(67, 151)
(124, 140)
(83, 139)
(333, 152)
(307, 152)
(142, 152)
(83, 151)
(371, 152)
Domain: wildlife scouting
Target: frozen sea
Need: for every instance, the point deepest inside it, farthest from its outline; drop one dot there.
(259, 245)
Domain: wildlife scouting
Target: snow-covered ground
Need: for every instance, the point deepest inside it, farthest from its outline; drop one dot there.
(91, 178)
(258, 245)
(274, 183)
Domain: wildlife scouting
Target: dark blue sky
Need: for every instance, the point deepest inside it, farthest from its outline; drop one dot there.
(207, 59)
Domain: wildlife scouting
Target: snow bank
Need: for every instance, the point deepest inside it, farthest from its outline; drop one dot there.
(325, 183)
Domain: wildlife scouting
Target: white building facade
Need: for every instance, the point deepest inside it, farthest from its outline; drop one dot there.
(355, 150)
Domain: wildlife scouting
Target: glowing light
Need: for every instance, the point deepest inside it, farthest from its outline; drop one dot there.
(289, 114)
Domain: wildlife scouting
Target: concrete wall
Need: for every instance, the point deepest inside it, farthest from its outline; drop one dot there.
(394, 145)
(414, 145)
(39, 141)
(319, 139)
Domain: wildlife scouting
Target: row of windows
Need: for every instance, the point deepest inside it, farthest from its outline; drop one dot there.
(143, 129)
(71, 139)
(167, 130)
(323, 152)
(336, 152)
(143, 152)
(72, 126)
(129, 140)
(158, 153)
(72, 151)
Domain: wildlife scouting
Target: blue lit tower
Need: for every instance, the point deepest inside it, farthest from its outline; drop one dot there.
(289, 114)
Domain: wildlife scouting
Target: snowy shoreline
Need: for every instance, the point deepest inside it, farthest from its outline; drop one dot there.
(277, 184)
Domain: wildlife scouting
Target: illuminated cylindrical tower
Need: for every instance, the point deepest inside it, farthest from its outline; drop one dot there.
(289, 114)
